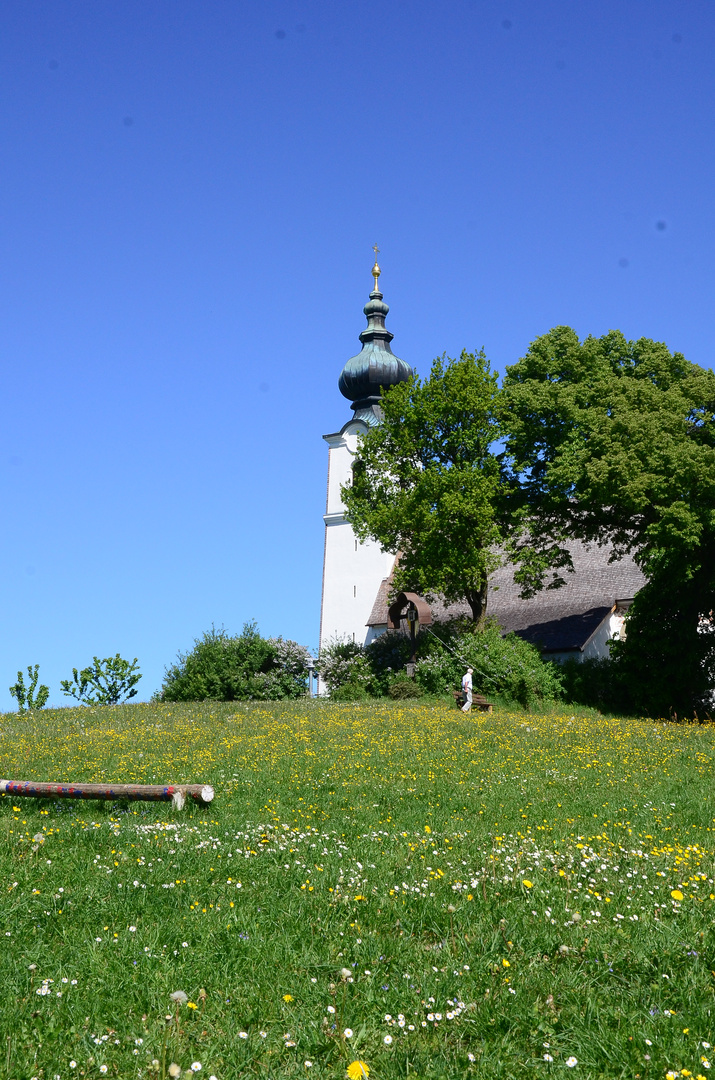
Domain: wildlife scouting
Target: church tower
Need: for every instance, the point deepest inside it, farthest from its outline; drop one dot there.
(353, 571)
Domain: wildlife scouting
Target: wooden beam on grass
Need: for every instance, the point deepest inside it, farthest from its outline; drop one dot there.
(175, 793)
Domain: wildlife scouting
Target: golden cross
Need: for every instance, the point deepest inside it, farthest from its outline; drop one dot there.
(376, 249)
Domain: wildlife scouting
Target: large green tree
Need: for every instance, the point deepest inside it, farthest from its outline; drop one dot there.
(427, 483)
(614, 441)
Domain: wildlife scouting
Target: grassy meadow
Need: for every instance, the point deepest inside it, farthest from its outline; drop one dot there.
(430, 894)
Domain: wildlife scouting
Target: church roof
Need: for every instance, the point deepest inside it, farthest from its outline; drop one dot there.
(557, 620)
(375, 366)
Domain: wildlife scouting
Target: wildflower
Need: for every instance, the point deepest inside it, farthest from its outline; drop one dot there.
(179, 996)
(505, 963)
(287, 997)
(676, 894)
(571, 1061)
(345, 973)
(243, 1034)
(174, 1069)
(356, 1070)
(196, 1066)
(73, 1064)
(705, 1063)
(308, 1064)
(348, 1033)
(387, 1040)
(103, 1068)
(471, 1057)
(548, 1057)
(527, 884)
(331, 1008)
(132, 929)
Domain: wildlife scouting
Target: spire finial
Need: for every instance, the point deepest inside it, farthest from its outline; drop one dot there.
(376, 268)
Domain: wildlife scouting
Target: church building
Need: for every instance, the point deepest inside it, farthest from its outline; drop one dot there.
(354, 571)
(578, 619)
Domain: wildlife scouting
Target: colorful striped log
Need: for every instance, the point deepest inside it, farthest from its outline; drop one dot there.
(175, 793)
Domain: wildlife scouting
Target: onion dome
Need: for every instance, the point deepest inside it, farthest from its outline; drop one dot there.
(375, 366)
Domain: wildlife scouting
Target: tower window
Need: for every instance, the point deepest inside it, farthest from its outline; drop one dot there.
(356, 545)
(354, 590)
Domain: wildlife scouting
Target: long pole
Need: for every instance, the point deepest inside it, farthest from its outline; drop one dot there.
(176, 793)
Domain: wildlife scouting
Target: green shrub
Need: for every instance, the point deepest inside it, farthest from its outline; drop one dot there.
(25, 695)
(402, 688)
(246, 667)
(387, 656)
(350, 691)
(103, 682)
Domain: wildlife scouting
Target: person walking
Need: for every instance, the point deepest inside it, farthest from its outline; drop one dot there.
(467, 690)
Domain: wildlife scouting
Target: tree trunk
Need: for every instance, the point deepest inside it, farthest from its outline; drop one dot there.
(477, 600)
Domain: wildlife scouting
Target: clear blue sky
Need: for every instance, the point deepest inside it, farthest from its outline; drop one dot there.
(190, 190)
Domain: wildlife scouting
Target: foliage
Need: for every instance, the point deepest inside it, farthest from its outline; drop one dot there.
(386, 656)
(25, 695)
(396, 837)
(105, 682)
(241, 668)
(426, 481)
(593, 682)
(614, 440)
(344, 663)
(402, 688)
(504, 666)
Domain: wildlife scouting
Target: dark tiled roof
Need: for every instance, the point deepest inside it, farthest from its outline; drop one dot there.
(557, 620)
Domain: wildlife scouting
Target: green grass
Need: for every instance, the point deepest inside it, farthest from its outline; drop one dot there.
(502, 884)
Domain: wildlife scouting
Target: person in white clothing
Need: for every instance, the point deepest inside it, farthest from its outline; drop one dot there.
(467, 690)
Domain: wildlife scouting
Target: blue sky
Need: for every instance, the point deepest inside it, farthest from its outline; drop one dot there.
(190, 193)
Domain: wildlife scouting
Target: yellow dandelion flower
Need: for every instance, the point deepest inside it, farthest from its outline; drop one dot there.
(527, 884)
(287, 997)
(676, 894)
(357, 1070)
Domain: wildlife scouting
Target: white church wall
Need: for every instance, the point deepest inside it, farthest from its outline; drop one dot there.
(597, 646)
(352, 571)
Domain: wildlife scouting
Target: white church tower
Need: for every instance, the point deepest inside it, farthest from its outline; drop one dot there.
(353, 571)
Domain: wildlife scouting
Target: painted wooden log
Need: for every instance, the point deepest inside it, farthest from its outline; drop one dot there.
(176, 793)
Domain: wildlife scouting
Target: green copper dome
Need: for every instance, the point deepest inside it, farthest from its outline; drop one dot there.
(375, 366)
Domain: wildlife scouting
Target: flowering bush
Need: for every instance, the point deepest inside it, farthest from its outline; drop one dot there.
(345, 669)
